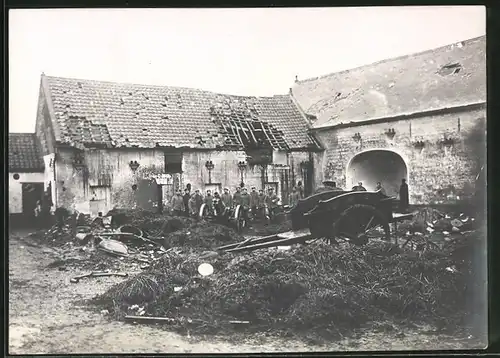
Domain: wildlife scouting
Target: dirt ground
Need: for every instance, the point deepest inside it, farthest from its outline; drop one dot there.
(47, 316)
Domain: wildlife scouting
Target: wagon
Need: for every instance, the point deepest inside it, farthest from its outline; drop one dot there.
(351, 216)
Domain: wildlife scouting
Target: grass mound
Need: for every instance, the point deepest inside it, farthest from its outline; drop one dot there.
(315, 290)
(202, 235)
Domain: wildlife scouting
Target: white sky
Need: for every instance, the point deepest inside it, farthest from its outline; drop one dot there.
(235, 51)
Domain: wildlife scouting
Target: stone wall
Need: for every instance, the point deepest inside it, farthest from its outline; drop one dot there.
(437, 173)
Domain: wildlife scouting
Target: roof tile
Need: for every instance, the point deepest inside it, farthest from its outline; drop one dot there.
(25, 153)
(105, 112)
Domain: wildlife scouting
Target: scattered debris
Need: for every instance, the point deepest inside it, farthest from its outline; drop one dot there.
(113, 247)
(77, 279)
(205, 269)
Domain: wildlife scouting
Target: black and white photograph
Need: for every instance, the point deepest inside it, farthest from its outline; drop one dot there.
(247, 180)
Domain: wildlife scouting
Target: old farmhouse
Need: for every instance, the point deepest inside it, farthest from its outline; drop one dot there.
(122, 145)
(100, 145)
(420, 117)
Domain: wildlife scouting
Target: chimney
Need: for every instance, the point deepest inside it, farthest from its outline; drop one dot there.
(296, 78)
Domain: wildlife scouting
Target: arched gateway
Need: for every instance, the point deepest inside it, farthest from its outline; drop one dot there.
(377, 165)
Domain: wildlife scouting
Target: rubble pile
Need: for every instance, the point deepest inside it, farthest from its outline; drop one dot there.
(432, 220)
(312, 290)
(54, 236)
(129, 239)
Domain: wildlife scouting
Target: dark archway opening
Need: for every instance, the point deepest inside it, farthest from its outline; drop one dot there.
(375, 166)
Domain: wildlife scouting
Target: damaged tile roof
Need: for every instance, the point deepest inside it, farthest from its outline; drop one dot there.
(130, 115)
(447, 76)
(24, 153)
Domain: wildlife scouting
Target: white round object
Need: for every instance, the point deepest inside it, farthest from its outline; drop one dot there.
(205, 269)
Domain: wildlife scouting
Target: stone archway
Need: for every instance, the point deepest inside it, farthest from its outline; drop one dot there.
(377, 165)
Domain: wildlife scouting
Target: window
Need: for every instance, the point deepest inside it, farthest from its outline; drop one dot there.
(173, 163)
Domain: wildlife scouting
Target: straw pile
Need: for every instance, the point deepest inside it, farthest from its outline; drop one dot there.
(316, 290)
(202, 235)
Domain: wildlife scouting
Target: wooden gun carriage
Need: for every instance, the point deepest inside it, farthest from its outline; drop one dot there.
(333, 215)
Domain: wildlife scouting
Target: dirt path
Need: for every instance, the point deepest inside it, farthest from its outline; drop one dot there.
(44, 318)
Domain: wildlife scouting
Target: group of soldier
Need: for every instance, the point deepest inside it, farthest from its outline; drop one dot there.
(402, 193)
(255, 202)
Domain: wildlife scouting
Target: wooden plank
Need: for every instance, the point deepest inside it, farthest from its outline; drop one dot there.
(145, 319)
(281, 242)
(254, 240)
(235, 131)
(265, 133)
(304, 233)
(250, 128)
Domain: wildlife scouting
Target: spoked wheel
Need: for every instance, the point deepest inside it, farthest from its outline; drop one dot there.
(239, 218)
(203, 213)
(360, 223)
(267, 215)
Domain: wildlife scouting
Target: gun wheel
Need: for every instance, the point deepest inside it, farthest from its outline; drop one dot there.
(360, 223)
(203, 212)
(239, 219)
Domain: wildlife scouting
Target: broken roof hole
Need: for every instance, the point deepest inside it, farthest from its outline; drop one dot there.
(449, 69)
(80, 85)
(145, 129)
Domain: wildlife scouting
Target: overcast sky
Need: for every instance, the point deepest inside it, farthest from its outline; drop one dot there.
(240, 51)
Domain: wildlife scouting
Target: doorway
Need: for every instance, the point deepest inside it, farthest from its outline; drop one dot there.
(31, 193)
(374, 166)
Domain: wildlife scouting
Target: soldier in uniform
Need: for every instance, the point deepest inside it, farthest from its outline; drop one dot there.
(177, 203)
(254, 201)
(237, 197)
(271, 202)
(209, 201)
(245, 202)
(294, 197)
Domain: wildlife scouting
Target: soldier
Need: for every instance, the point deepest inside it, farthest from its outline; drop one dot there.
(271, 201)
(294, 197)
(403, 196)
(245, 202)
(380, 188)
(186, 197)
(261, 203)
(177, 203)
(359, 187)
(209, 201)
(300, 189)
(192, 206)
(218, 204)
(254, 201)
(237, 196)
(227, 199)
(198, 200)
